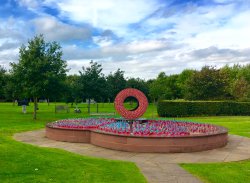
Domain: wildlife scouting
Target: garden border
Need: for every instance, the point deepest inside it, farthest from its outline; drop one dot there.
(131, 143)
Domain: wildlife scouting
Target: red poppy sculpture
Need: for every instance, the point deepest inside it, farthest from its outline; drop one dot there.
(138, 111)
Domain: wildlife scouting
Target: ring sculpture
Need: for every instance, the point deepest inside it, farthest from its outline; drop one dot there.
(138, 111)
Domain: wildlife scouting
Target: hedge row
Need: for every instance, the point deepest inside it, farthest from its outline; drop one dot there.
(167, 108)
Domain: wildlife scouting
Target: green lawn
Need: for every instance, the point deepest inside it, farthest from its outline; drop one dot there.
(233, 172)
(237, 125)
(26, 163)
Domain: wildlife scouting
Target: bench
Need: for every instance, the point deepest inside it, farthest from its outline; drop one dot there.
(59, 108)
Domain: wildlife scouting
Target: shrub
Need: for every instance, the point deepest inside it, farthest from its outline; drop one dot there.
(171, 108)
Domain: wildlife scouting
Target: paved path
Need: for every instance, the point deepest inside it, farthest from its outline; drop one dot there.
(156, 167)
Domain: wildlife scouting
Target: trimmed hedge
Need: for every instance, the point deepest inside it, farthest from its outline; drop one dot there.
(171, 108)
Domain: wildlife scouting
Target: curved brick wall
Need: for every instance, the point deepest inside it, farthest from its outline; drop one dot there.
(139, 144)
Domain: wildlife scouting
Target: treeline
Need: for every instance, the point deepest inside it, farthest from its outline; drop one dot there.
(41, 73)
(90, 83)
(210, 83)
(227, 83)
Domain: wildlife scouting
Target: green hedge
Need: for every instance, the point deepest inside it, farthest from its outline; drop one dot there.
(171, 108)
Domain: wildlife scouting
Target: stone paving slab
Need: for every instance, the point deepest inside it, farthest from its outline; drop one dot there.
(156, 167)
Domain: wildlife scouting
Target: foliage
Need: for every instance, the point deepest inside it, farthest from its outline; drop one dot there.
(157, 87)
(165, 87)
(72, 93)
(196, 108)
(241, 89)
(182, 80)
(92, 82)
(139, 84)
(115, 83)
(12, 89)
(239, 81)
(2, 81)
(208, 84)
(40, 70)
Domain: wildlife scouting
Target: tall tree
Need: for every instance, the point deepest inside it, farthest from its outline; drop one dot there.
(207, 84)
(241, 89)
(182, 79)
(157, 87)
(232, 74)
(165, 87)
(115, 83)
(2, 81)
(139, 84)
(241, 85)
(73, 93)
(40, 70)
(12, 89)
(92, 82)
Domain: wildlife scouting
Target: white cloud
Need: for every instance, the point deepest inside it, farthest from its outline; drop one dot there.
(30, 4)
(232, 35)
(14, 29)
(107, 14)
(13, 32)
(137, 47)
(58, 31)
(102, 41)
(119, 52)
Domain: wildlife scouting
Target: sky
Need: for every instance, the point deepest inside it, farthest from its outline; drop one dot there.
(141, 37)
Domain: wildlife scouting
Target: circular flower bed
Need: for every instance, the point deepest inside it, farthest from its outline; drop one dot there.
(154, 128)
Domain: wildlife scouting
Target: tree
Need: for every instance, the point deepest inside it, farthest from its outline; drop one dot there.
(182, 79)
(115, 83)
(139, 84)
(207, 84)
(12, 89)
(241, 89)
(165, 87)
(72, 93)
(157, 87)
(232, 74)
(2, 81)
(92, 82)
(172, 90)
(40, 70)
(241, 85)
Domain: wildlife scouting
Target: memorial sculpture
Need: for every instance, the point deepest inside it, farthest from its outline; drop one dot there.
(131, 133)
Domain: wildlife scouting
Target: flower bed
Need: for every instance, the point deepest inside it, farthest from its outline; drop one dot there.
(139, 135)
(156, 128)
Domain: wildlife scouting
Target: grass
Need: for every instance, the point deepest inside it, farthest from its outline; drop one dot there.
(26, 163)
(233, 172)
(237, 125)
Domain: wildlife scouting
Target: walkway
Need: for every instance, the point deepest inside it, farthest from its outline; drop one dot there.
(156, 167)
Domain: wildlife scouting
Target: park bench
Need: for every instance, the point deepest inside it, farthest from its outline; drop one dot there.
(59, 108)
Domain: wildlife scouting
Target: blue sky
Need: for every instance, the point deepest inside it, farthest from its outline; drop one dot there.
(141, 37)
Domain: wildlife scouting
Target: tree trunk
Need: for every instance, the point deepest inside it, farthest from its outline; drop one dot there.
(48, 101)
(35, 107)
